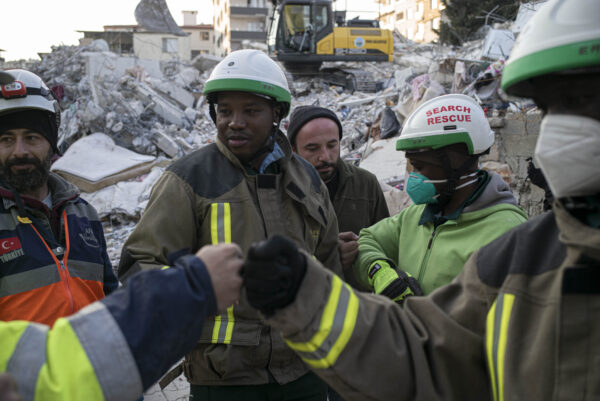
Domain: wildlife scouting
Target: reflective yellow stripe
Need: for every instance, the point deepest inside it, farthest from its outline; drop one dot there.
(498, 319)
(214, 219)
(165, 267)
(229, 330)
(227, 223)
(220, 232)
(335, 329)
(509, 300)
(489, 343)
(326, 320)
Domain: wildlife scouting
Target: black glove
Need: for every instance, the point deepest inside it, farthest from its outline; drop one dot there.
(392, 283)
(272, 273)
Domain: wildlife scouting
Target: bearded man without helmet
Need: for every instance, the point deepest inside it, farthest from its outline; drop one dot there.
(315, 134)
(241, 189)
(46, 227)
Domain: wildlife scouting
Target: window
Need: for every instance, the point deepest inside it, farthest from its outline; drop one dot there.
(420, 9)
(400, 16)
(436, 23)
(169, 45)
(204, 36)
(321, 17)
(434, 4)
(420, 31)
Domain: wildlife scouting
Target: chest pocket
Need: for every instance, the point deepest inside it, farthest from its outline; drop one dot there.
(314, 219)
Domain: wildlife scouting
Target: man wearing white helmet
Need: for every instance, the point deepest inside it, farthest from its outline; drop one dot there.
(457, 207)
(53, 258)
(241, 189)
(520, 322)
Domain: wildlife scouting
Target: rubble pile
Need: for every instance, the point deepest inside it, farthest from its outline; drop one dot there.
(146, 106)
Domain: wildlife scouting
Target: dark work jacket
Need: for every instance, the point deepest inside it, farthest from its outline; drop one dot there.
(358, 203)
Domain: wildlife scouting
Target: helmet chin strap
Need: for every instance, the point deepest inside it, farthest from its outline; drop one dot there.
(268, 146)
(452, 175)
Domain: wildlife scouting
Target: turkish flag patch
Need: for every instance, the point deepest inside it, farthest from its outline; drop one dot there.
(9, 244)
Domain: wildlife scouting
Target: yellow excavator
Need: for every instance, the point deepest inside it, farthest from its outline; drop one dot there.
(305, 33)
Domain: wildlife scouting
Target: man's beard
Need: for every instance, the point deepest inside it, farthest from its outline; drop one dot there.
(26, 180)
(329, 175)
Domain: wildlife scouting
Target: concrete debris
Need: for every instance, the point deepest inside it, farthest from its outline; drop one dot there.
(204, 62)
(94, 162)
(498, 44)
(126, 199)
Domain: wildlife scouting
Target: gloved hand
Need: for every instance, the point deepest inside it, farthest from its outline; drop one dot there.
(272, 273)
(389, 282)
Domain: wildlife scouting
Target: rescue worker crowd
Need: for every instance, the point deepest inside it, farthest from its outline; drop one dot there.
(273, 269)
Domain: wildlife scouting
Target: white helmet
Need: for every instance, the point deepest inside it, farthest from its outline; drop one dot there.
(446, 120)
(562, 35)
(250, 71)
(28, 91)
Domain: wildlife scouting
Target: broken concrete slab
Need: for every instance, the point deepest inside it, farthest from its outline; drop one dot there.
(128, 198)
(204, 62)
(95, 161)
(365, 100)
(385, 161)
(498, 44)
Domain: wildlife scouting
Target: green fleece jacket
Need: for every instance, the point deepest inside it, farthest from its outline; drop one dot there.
(435, 255)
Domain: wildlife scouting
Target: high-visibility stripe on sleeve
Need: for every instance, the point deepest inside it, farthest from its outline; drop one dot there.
(497, 324)
(10, 333)
(220, 231)
(108, 352)
(335, 328)
(28, 358)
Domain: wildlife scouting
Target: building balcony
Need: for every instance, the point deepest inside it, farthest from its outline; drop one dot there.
(249, 11)
(251, 35)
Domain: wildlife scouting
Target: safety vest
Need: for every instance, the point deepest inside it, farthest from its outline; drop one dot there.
(40, 280)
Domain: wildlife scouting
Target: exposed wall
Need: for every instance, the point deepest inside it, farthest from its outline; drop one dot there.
(516, 135)
(150, 46)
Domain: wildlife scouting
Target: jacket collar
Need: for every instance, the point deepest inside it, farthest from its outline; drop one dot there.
(575, 234)
(61, 191)
(344, 171)
(280, 138)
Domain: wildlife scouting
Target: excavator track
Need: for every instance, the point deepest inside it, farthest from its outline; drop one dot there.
(351, 79)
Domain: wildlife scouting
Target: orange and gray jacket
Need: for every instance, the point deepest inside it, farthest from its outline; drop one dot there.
(519, 323)
(208, 198)
(53, 262)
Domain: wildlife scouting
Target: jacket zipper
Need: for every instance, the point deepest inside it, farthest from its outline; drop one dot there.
(426, 257)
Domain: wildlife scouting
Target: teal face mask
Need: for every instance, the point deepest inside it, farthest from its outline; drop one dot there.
(421, 190)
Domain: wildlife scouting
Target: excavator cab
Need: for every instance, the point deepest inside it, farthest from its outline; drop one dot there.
(305, 33)
(302, 25)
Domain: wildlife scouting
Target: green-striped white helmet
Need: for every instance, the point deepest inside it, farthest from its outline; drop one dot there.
(563, 35)
(250, 71)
